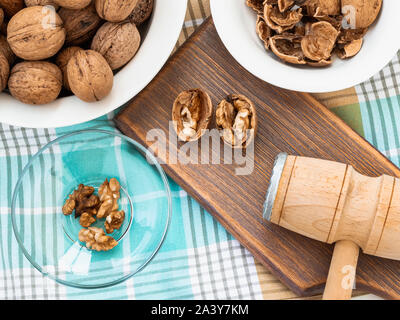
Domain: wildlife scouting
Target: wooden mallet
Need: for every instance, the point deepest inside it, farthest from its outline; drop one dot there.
(331, 202)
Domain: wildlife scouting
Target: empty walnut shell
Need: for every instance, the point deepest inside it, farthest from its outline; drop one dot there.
(117, 42)
(89, 75)
(362, 13)
(281, 21)
(256, 5)
(6, 50)
(323, 7)
(141, 12)
(73, 4)
(80, 25)
(284, 5)
(287, 48)
(11, 7)
(263, 31)
(4, 71)
(35, 82)
(319, 41)
(115, 10)
(62, 61)
(191, 114)
(350, 49)
(31, 3)
(236, 118)
(33, 35)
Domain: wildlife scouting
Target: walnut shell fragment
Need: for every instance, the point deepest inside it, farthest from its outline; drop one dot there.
(35, 82)
(4, 71)
(89, 76)
(256, 5)
(319, 41)
(191, 114)
(34, 35)
(73, 4)
(1, 16)
(96, 239)
(237, 120)
(287, 48)
(141, 12)
(62, 61)
(323, 7)
(115, 10)
(117, 42)
(80, 25)
(350, 49)
(263, 31)
(361, 13)
(281, 21)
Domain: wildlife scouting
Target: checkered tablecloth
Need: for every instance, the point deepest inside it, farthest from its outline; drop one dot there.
(199, 259)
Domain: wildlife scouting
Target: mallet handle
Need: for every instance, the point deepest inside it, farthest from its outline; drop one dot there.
(342, 271)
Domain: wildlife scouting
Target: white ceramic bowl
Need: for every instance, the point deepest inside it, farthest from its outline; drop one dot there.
(235, 23)
(159, 41)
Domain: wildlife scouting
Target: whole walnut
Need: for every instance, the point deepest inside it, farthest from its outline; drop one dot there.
(117, 42)
(35, 82)
(115, 10)
(6, 50)
(1, 16)
(62, 61)
(11, 7)
(80, 25)
(36, 33)
(4, 71)
(31, 3)
(73, 4)
(89, 75)
(141, 12)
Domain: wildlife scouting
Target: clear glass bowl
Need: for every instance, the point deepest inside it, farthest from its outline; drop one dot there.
(49, 239)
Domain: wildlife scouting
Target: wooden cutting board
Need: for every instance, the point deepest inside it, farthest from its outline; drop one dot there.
(287, 121)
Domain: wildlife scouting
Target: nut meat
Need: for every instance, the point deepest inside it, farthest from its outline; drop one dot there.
(114, 221)
(89, 76)
(191, 114)
(86, 220)
(32, 39)
(109, 193)
(96, 239)
(35, 82)
(236, 118)
(117, 42)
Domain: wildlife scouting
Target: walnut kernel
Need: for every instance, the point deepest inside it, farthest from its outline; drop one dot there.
(114, 221)
(96, 239)
(86, 220)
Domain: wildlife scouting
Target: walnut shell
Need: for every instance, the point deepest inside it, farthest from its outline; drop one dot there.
(33, 35)
(141, 12)
(323, 7)
(117, 42)
(80, 25)
(281, 21)
(115, 10)
(191, 114)
(4, 71)
(1, 16)
(11, 7)
(6, 50)
(361, 12)
(319, 41)
(73, 4)
(62, 61)
(89, 75)
(287, 48)
(236, 119)
(32, 3)
(35, 82)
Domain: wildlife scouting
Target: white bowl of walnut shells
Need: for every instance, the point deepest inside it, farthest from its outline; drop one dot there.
(64, 62)
(310, 45)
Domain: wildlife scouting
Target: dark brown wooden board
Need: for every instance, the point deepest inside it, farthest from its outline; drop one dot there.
(287, 121)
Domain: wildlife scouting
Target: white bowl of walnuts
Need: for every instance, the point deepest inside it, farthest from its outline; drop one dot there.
(64, 62)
